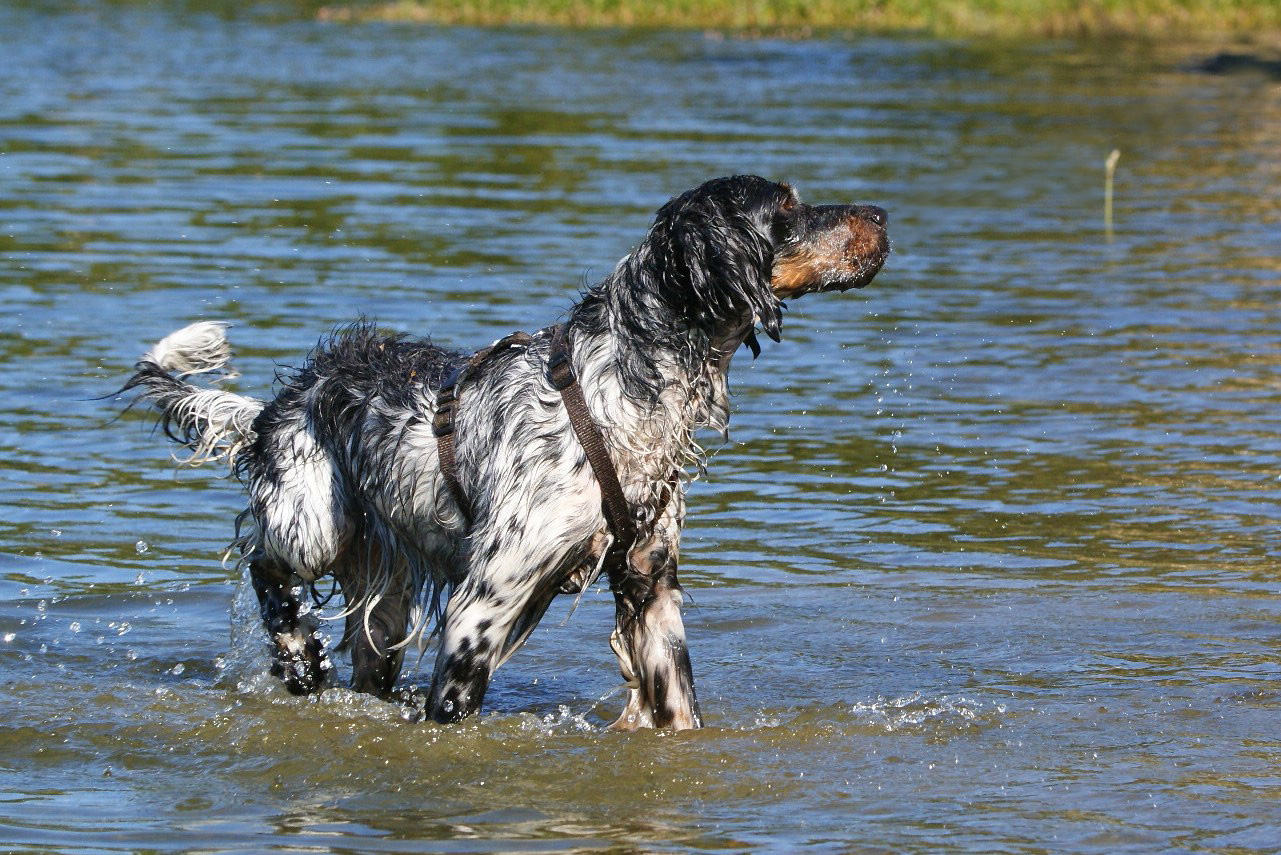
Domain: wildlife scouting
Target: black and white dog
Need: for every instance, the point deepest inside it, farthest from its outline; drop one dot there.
(344, 477)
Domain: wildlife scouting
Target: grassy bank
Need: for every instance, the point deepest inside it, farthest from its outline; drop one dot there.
(1155, 18)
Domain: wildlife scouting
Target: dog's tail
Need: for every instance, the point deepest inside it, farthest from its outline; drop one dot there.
(214, 424)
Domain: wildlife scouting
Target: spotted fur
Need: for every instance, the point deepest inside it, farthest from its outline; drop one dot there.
(343, 478)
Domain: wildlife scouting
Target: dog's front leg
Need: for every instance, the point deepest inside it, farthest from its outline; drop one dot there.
(488, 617)
(649, 637)
(467, 654)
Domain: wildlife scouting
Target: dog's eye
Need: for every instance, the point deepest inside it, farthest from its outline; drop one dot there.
(786, 222)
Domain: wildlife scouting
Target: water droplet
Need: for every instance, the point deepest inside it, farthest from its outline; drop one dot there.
(75, 626)
(9, 636)
(56, 532)
(141, 546)
(178, 669)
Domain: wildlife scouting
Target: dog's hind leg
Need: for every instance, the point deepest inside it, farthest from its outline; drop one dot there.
(649, 636)
(298, 654)
(376, 628)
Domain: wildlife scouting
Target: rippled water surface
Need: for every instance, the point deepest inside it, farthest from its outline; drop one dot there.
(988, 565)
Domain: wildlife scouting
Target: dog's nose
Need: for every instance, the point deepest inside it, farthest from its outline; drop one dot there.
(870, 212)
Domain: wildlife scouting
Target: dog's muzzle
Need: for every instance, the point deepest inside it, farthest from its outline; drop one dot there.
(844, 247)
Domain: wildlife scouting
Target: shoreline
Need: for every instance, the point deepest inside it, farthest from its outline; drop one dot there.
(1189, 20)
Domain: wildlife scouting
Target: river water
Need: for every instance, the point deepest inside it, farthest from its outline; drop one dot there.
(989, 563)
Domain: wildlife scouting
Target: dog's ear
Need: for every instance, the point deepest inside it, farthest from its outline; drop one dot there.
(715, 261)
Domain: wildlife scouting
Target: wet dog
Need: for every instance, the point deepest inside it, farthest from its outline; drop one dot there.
(344, 471)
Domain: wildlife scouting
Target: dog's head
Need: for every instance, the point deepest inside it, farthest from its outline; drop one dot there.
(734, 248)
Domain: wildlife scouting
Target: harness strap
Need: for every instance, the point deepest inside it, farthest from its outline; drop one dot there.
(442, 424)
(443, 427)
(561, 373)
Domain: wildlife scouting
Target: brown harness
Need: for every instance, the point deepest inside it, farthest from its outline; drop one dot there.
(442, 424)
(560, 373)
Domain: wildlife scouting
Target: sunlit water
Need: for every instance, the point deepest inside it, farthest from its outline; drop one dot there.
(989, 565)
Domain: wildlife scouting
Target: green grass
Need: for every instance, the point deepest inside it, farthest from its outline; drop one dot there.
(1153, 18)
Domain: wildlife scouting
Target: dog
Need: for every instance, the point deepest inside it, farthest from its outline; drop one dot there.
(471, 530)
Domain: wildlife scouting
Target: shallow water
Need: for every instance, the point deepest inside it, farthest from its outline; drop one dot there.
(989, 565)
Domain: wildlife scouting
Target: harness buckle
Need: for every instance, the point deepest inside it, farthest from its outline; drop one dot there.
(442, 424)
(559, 370)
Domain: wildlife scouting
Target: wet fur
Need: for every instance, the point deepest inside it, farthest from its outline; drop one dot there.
(343, 479)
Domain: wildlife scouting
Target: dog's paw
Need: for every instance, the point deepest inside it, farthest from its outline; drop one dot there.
(302, 666)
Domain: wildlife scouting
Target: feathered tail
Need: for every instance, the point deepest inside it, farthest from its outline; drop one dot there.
(212, 423)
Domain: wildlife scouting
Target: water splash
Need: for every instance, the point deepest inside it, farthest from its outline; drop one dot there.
(912, 711)
(559, 723)
(247, 663)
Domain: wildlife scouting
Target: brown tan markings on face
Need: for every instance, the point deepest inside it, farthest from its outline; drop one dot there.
(794, 274)
(841, 253)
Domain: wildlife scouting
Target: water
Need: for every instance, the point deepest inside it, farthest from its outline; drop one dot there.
(989, 565)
